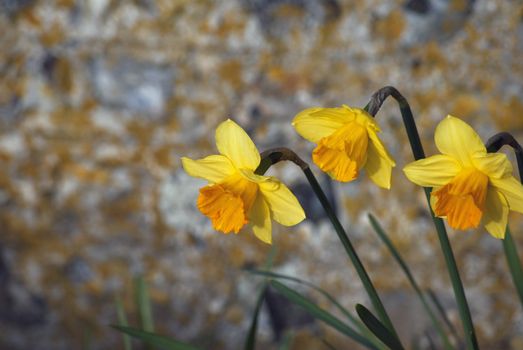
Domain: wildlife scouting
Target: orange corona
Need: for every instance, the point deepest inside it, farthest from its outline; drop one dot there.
(470, 185)
(347, 142)
(236, 197)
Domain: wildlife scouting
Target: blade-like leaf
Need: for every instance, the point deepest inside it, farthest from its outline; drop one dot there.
(143, 304)
(441, 310)
(328, 296)
(376, 327)
(349, 249)
(155, 339)
(392, 249)
(514, 264)
(250, 342)
(320, 314)
(328, 345)
(267, 265)
(122, 320)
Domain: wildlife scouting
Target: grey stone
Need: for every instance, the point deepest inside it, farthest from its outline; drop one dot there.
(134, 86)
(433, 20)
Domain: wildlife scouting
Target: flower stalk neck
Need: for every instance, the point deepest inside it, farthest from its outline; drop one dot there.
(377, 100)
(501, 139)
(276, 155)
(379, 97)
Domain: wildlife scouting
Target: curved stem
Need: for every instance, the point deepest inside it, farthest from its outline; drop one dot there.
(276, 155)
(494, 144)
(373, 107)
(501, 139)
(376, 101)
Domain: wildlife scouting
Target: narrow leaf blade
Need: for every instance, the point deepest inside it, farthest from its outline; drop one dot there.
(122, 320)
(514, 263)
(143, 303)
(376, 327)
(324, 293)
(250, 342)
(155, 339)
(320, 314)
(396, 255)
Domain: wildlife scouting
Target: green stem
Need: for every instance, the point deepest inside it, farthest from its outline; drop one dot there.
(362, 273)
(417, 149)
(511, 254)
(275, 155)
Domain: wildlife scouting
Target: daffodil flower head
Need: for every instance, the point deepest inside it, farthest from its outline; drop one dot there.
(347, 142)
(470, 186)
(235, 195)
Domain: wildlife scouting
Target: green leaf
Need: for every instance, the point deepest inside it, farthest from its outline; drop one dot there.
(392, 249)
(514, 263)
(122, 320)
(250, 342)
(143, 304)
(441, 310)
(351, 252)
(270, 257)
(328, 345)
(376, 327)
(155, 339)
(328, 296)
(320, 314)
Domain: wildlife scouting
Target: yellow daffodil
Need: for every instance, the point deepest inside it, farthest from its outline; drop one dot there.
(470, 186)
(347, 142)
(235, 195)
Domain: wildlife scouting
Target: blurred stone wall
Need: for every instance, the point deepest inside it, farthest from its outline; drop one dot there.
(99, 99)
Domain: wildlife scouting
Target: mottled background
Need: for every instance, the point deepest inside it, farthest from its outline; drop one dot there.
(99, 99)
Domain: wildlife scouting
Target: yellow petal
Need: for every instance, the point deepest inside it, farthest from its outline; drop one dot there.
(260, 220)
(494, 165)
(316, 123)
(512, 190)
(457, 139)
(365, 119)
(496, 213)
(378, 145)
(283, 205)
(433, 171)
(251, 176)
(213, 168)
(232, 141)
(378, 168)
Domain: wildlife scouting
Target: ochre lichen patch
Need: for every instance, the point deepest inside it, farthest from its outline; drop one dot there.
(391, 27)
